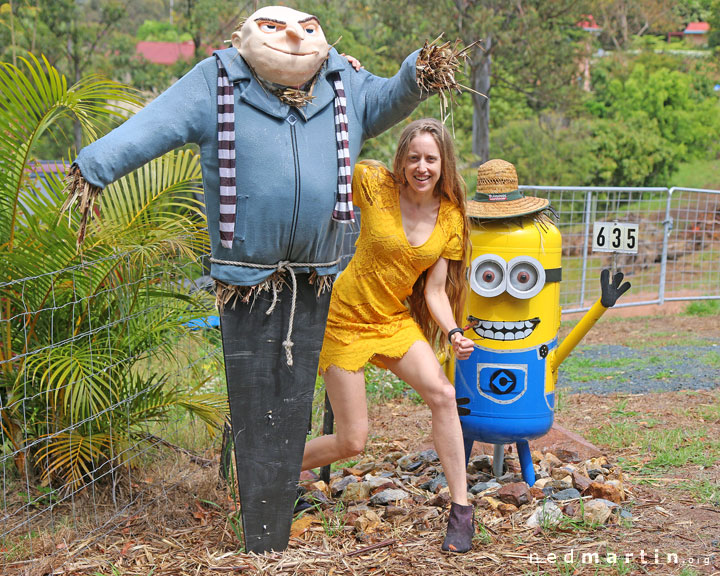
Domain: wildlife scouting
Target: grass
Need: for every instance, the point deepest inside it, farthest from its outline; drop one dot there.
(703, 308)
(702, 490)
(701, 173)
(657, 448)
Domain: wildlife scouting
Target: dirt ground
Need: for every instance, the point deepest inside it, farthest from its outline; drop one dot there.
(189, 530)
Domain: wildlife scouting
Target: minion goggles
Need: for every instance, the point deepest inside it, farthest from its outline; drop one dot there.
(522, 277)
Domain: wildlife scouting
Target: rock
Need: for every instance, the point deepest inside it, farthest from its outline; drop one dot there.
(367, 523)
(489, 503)
(567, 494)
(617, 484)
(356, 492)
(547, 514)
(580, 481)
(377, 481)
(354, 512)
(624, 514)
(319, 486)
(593, 473)
(393, 456)
(556, 486)
(441, 500)
(435, 484)
(572, 509)
(395, 512)
(540, 483)
(337, 486)
(483, 486)
(561, 472)
(513, 465)
(409, 463)
(608, 503)
(510, 477)
(536, 456)
(318, 497)
(505, 508)
(567, 455)
(596, 463)
(549, 462)
(429, 456)
(482, 463)
(516, 494)
(537, 493)
(387, 496)
(361, 468)
(596, 512)
(420, 480)
(606, 491)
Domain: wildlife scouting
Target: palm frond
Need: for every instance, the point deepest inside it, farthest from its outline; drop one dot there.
(33, 97)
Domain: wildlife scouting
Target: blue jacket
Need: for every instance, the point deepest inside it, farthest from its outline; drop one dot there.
(286, 157)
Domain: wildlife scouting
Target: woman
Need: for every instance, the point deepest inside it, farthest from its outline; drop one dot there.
(411, 248)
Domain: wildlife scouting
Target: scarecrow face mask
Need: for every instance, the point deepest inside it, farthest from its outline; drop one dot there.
(282, 45)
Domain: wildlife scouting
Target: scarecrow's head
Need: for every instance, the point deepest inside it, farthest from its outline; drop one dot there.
(282, 45)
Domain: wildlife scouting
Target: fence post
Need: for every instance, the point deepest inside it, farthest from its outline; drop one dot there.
(588, 216)
(667, 228)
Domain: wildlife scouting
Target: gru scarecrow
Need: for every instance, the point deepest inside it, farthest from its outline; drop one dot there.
(280, 118)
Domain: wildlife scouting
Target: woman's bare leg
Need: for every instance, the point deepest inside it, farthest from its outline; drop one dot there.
(420, 369)
(346, 391)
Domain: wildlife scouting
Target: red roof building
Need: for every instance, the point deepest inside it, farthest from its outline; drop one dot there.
(696, 32)
(589, 24)
(165, 52)
(697, 28)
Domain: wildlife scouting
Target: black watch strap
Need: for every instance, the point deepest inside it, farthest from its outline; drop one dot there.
(453, 331)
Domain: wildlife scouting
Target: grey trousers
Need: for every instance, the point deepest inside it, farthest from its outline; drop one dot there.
(271, 404)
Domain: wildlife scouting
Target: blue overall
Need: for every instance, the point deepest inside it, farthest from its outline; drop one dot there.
(508, 401)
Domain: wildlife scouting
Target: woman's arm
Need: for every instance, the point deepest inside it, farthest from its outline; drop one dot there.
(439, 306)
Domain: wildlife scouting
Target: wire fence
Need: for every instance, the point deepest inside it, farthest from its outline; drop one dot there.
(91, 350)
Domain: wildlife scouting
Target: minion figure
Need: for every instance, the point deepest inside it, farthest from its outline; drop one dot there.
(506, 389)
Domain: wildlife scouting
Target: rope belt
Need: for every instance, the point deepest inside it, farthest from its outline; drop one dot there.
(281, 266)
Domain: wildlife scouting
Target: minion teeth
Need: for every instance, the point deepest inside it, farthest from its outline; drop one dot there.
(499, 330)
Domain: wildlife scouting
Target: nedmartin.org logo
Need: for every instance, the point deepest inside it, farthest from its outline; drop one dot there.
(640, 557)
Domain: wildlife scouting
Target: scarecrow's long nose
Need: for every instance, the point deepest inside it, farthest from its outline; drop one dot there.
(295, 31)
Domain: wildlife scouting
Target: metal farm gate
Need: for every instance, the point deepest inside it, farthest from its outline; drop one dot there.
(678, 255)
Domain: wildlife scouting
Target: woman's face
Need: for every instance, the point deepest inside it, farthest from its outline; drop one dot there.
(423, 165)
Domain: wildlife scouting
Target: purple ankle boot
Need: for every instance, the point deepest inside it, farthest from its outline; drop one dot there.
(460, 530)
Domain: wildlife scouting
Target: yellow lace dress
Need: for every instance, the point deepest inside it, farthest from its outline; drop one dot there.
(367, 311)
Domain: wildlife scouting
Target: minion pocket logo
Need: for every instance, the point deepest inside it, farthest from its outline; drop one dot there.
(502, 383)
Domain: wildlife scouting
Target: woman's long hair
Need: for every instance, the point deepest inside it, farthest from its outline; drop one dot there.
(450, 185)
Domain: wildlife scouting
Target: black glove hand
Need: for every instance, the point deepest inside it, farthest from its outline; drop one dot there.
(611, 291)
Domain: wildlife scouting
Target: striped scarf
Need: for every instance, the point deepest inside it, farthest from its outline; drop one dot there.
(343, 211)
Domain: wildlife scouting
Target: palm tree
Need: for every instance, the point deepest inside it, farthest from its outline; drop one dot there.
(82, 334)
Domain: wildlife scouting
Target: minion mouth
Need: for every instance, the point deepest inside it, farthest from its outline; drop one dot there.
(498, 330)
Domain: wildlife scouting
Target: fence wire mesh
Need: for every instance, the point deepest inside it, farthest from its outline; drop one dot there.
(91, 351)
(97, 363)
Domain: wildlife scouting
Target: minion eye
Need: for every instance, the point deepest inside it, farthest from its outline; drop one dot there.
(487, 275)
(526, 277)
(310, 30)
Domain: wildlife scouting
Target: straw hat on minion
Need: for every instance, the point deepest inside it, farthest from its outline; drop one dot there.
(497, 195)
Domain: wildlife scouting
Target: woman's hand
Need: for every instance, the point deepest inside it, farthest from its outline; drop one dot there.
(354, 62)
(462, 346)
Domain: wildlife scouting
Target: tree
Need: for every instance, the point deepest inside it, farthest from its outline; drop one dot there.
(530, 46)
(622, 19)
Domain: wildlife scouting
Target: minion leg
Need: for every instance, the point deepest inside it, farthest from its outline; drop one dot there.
(468, 448)
(526, 463)
(498, 459)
